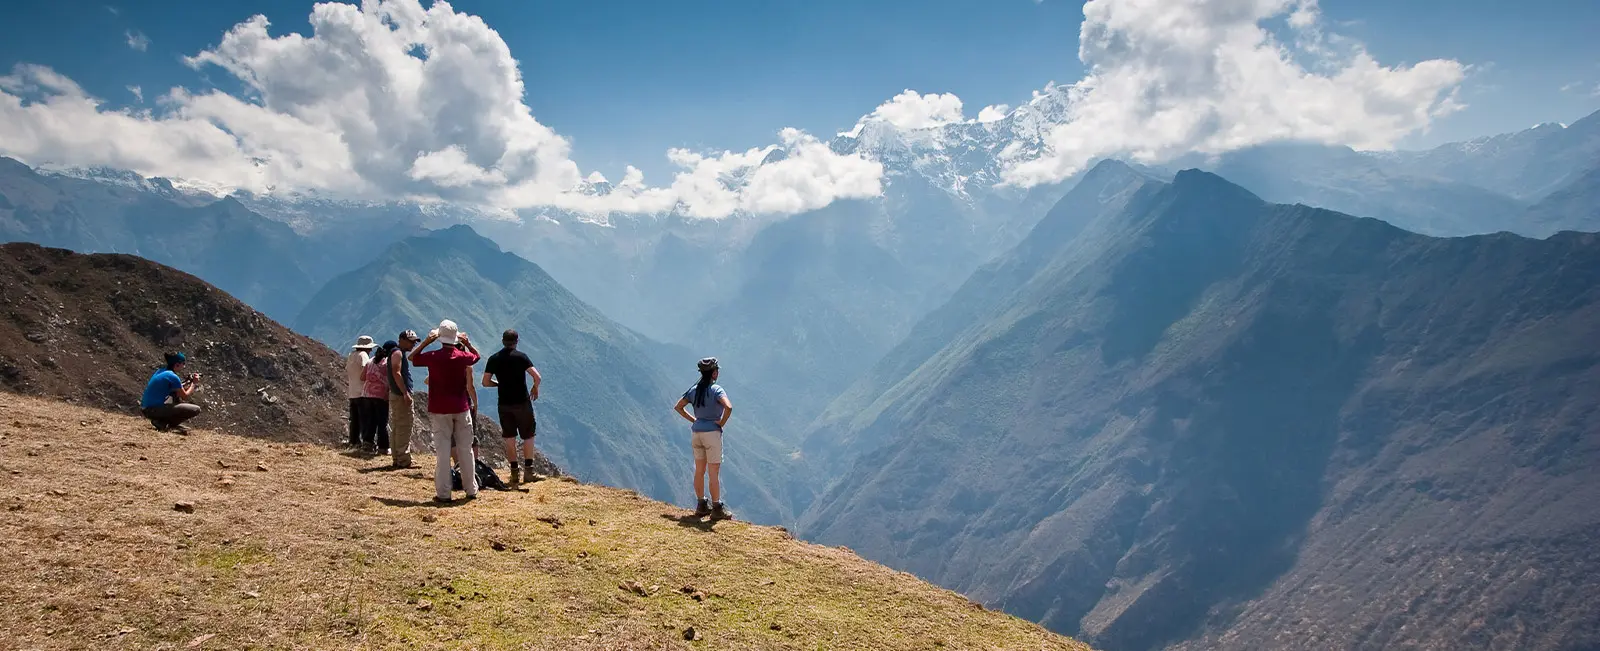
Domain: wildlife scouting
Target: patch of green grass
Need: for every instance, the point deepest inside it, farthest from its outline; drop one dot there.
(224, 559)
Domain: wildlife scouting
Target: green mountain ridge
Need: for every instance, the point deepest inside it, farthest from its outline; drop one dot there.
(605, 409)
(1206, 418)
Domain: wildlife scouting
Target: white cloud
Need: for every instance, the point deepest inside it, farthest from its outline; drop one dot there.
(138, 93)
(390, 100)
(993, 113)
(913, 110)
(797, 175)
(137, 40)
(450, 168)
(1169, 77)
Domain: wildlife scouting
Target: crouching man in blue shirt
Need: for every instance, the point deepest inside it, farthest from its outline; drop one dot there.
(168, 383)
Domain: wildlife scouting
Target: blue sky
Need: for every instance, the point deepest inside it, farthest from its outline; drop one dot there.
(624, 81)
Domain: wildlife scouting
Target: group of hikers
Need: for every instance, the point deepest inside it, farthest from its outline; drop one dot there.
(380, 392)
(380, 386)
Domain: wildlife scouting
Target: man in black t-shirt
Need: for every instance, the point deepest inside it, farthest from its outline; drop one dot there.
(509, 370)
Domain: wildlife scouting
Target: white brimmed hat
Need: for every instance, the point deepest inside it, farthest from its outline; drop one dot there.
(447, 332)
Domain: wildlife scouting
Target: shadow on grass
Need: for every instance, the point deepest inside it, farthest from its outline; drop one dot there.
(359, 453)
(384, 469)
(428, 503)
(691, 521)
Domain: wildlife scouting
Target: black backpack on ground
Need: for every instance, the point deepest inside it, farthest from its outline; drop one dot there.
(487, 479)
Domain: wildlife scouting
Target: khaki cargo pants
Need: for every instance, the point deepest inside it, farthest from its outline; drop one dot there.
(400, 416)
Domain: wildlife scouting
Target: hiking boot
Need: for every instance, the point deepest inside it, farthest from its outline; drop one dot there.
(160, 426)
(181, 429)
(441, 500)
(516, 473)
(702, 508)
(720, 512)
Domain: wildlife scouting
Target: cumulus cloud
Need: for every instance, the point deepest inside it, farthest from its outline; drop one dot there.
(913, 110)
(390, 100)
(1169, 77)
(993, 113)
(799, 174)
(137, 92)
(137, 40)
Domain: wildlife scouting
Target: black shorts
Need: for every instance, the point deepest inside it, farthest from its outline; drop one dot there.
(517, 420)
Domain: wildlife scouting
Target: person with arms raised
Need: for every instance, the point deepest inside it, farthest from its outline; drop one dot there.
(168, 383)
(711, 412)
(509, 370)
(449, 404)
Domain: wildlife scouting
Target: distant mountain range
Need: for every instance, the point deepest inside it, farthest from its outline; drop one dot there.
(1179, 415)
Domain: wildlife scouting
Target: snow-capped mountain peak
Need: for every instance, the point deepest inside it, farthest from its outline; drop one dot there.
(960, 157)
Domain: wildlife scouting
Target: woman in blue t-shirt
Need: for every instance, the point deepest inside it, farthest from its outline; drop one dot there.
(711, 412)
(169, 383)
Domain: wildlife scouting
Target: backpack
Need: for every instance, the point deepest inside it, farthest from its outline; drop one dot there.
(376, 380)
(487, 479)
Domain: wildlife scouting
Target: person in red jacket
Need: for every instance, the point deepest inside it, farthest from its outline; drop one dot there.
(449, 405)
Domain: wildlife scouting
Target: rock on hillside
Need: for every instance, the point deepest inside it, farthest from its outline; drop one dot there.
(92, 328)
(215, 541)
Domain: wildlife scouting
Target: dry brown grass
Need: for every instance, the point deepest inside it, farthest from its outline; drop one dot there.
(318, 551)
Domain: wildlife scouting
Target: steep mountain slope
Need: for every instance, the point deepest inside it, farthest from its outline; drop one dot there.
(605, 411)
(845, 429)
(1215, 422)
(263, 263)
(295, 546)
(92, 328)
(1340, 179)
(1526, 165)
(815, 299)
(1575, 207)
(652, 274)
